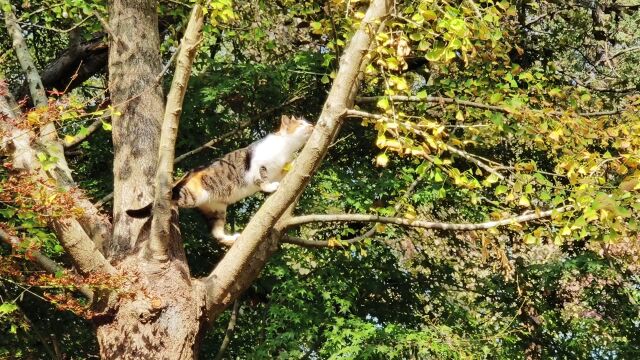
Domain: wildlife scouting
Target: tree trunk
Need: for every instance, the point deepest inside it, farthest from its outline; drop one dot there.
(134, 68)
(159, 310)
(160, 315)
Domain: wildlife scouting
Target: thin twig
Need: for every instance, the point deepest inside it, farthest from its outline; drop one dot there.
(473, 104)
(95, 125)
(230, 327)
(476, 161)
(369, 233)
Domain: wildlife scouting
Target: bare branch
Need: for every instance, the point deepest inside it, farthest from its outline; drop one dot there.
(248, 255)
(305, 219)
(161, 222)
(624, 51)
(83, 252)
(97, 124)
(229, 331)
(476, 161)
(368, 234)
(472, 104)
(241, 126)
(22, 53)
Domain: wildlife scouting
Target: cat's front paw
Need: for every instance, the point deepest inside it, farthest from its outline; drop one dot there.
(228, 240)
(270, 187)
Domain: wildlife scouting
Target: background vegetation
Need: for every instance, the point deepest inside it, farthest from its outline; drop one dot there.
(471, 111)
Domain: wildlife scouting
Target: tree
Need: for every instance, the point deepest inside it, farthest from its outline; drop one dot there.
(466, 101)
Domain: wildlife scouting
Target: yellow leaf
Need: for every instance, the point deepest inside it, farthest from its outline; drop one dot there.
(555, 134)
(382, 160)
(394, 145)
(524, 201)
(68, 139)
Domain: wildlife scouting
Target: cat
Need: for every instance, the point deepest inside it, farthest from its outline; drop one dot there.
(237, 175)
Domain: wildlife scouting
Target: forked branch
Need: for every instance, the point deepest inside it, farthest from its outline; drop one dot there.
(160, 225)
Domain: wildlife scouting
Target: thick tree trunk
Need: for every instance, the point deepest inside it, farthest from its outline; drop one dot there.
(134, 66)
(161, 318)
(159, 310)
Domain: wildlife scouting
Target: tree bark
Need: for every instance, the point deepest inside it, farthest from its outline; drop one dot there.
(134, 64)
(160, 309)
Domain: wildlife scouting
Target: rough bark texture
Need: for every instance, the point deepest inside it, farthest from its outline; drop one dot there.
(134, 64)
(160, 310)
(161, 318)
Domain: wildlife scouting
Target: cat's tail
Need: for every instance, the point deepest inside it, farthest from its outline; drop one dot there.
(140, 213)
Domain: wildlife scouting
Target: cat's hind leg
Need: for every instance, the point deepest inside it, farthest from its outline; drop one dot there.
(217, 218)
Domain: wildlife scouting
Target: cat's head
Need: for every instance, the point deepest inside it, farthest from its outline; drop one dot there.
(295, 127)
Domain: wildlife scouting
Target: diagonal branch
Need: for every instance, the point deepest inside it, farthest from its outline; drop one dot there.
(247, 256)
(161, 220)
(72, 233)
(479, 163)
(459, 152)
(95, 125)
(230, 327)
(22, 52)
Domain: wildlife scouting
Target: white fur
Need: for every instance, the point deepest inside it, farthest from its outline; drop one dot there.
(274, 152)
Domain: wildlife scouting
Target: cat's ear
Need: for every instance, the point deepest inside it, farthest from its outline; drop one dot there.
(284, 123)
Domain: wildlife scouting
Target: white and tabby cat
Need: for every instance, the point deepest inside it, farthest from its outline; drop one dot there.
(237, 175)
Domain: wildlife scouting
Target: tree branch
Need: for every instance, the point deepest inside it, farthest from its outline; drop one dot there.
(368, 234)
(72, 233)
(95, 125)
(42, 260)
(462, 153)
(466, 103)
(248, 255)
(306, 219)
(161, 220)
(241, 126)
(479, 163)
(22, 52)
(75, 65)
(229, 331)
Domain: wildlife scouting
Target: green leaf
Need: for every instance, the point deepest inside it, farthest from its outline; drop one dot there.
(7, 308)
(501, 189)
